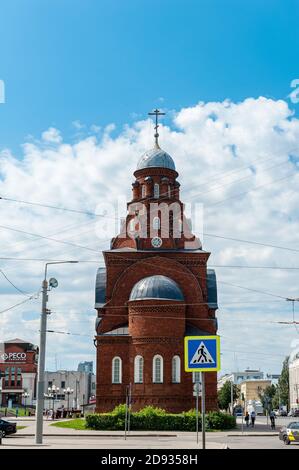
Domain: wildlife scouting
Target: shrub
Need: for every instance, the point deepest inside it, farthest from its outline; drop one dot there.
(157, 419)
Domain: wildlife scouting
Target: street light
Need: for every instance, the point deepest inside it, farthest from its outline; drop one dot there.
(68, 391)
(53, 391)
(25, 395)
(42, 352)
(0, 394)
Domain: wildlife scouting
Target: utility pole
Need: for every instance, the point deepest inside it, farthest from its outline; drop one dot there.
(232, 396)
(42, 353)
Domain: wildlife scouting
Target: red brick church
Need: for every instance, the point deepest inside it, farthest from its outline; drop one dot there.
(155, 290)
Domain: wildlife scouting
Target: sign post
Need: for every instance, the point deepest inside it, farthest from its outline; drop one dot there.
(197, 393)
(203, 410)
(202, 354)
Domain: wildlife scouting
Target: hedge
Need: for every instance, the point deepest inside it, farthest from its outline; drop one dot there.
(156, 419)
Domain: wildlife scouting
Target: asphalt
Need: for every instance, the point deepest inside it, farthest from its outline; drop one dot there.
(261, 436)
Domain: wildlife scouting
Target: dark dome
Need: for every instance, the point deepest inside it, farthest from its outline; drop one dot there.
(156, 157)
(156, 287)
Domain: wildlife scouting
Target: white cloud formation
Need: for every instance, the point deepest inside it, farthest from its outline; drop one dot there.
(223, 151)
(52, 135)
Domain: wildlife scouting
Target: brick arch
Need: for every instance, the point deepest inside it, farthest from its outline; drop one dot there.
(187, 281)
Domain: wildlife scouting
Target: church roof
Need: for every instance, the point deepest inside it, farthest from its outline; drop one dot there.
(156, 287)
(156, 158)
(100, 288)
(212, 288)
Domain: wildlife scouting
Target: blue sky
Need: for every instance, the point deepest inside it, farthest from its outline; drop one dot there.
(96, 62)
(101, 61)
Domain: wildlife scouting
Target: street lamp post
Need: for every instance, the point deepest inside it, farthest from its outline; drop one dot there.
(42, 353)
(0, 395)
(68, 391)
(53, 391)
(25, 395)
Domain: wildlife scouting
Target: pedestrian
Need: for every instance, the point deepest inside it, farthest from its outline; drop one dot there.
(252, 416)
(247, 419)
(272, 419)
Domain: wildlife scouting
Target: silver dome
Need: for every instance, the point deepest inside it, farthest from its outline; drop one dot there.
(156, 157)
(156, 287)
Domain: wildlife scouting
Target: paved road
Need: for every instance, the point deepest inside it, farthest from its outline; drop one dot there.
(259, 437)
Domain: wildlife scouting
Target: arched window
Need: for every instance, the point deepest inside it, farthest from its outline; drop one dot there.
(116, 370)
(156, 223)
(138, 370)
(143, 191)
(156, 190)
(176, 369)
(158, 369)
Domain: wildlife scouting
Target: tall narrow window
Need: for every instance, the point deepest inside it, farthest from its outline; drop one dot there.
(6, 376)
(116, 370)
(138, 370)
(176, 369)
(19, 377)
(169, 192)
(158, 369)
(156, 190)
(143, 191)
(12, 376)
(156, 223)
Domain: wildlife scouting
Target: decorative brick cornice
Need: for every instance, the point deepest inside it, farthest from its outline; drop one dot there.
(156, 340)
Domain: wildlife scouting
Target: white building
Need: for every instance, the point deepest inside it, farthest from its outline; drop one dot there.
(294, 382)
(238, 377)
(81, 384)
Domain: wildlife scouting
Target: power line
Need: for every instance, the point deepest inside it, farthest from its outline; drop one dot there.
(45, 260)
(11, 283)
(50, 206)
(250, 242)
(252, 189)
(19, 303)
(48, 238)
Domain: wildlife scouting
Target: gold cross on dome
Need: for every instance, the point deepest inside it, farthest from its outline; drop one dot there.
(156, 113)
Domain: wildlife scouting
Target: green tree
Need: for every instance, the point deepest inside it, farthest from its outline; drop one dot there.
(224, 395)
(282, 391)
(266, 397)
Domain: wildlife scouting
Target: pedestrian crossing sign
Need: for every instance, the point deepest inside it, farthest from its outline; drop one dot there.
(202, 353)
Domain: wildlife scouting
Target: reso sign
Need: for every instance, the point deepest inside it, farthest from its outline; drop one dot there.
(14, 357)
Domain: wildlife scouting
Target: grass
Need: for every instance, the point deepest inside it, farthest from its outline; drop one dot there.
(21, 411)
(21, 427)
(78, 423)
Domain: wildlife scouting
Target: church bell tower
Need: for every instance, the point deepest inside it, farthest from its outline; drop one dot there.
(155, 289)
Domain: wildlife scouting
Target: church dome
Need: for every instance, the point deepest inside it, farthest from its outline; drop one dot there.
(156, 157)
(156, 287)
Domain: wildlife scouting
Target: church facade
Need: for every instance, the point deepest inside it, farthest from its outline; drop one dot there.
(155, 289)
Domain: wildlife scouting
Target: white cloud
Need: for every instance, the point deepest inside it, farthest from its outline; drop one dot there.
(52, 135)
(221, 150)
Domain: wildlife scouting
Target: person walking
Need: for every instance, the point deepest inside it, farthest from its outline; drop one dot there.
(247, 419)
(272, 419)
(252, 416)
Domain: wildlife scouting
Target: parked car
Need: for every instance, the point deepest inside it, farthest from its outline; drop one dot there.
(6, 427)
(290, 433)
(238, 411)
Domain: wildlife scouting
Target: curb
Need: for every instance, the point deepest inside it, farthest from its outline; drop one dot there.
(95, 435)
(260, 434)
